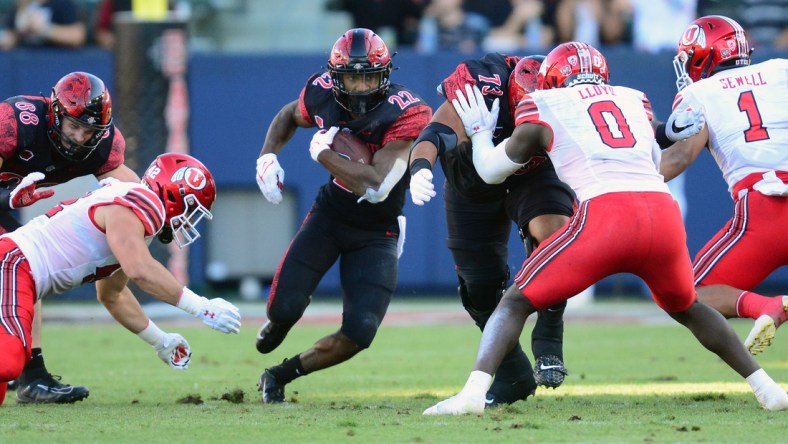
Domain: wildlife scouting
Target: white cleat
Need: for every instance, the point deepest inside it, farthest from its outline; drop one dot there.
(458, 404)
(762, 333)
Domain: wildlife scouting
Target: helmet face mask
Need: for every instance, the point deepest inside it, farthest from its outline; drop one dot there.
(360, 57)
(523, 79)
(79, 100)
(709, 45)
(187, 190)
(571, 64)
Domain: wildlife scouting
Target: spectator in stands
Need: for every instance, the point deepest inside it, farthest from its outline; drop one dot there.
(396, 21)
(446, 26)
(43, 23)
(595, 21)
(655, 24)
(105, 19)
(521, 29)
(766, 22)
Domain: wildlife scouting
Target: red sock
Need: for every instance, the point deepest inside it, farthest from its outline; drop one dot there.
(3, 388)
(751, 305)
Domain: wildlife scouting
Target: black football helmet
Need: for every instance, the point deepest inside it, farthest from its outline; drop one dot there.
(360, 51)
(83, 99)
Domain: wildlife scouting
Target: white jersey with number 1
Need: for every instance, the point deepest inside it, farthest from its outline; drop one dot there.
(746, 110)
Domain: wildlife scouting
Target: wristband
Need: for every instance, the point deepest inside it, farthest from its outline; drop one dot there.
(152, 334)
(420, 164)
(662, 138)
(190, 302)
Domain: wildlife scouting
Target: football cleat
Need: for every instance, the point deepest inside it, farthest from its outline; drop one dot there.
(47, 389)
(270, 336)
(272, 392)
(766, 325)
(459, 404)
(549, 371)
(504, 392)
(514, 380)
(12, 385)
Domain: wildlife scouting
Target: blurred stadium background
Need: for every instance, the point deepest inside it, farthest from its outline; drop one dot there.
(210, 77)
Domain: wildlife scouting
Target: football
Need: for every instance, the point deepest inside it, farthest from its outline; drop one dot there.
(351, 147)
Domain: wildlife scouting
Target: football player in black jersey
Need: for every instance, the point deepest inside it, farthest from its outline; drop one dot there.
(46, 141)
(479, 215)
(356, 217)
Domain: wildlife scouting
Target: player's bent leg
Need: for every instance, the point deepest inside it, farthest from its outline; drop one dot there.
(547, 345)
(12, 360)
(271, 335)
(765, 328)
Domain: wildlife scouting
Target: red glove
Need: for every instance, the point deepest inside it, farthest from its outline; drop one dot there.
(26, 194)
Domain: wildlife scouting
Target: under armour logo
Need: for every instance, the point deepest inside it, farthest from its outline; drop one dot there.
(209, 314)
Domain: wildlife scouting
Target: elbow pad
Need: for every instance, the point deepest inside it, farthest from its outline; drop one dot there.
(440, 135)
(491, 162)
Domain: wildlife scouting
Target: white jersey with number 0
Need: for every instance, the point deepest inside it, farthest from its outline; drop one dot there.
(746, 110)
(602, 137)
(66, 248)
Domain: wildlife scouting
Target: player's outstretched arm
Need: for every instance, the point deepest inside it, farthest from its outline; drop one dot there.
(171, 348)
(126, 239)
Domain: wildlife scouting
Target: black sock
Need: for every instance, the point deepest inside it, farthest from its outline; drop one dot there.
(35, 367)
(288, 370)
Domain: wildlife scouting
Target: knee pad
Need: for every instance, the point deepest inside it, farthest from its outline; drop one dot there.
(361, 329)
(287, 311)
(480, 299)
(13, 357)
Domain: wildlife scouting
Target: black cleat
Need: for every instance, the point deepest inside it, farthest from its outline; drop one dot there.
(549, 371)
(504, 392)
(12, 385)
(47, 389)
(270, 336)
(514, 380)
(272, 392)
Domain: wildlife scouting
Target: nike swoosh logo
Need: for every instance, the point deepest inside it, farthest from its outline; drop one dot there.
(548, 367)
(489, 401)
(677, 129)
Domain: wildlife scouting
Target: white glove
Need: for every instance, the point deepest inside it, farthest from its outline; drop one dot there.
(215, 313)
(270, 177)
(173, 349)
(322, 141)
(473, 111)
(684, 123)
(220, 315)
(26, 194)
(422, 189)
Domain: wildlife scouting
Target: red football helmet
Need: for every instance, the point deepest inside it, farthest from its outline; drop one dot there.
(572, 63)
(522, 80)
(360, 52)
(710, 44)
(83, 99)
(187, 190)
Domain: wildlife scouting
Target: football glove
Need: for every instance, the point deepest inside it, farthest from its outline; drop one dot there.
(322, 141)
(422, 190)
(215, 313)
(26, 194)
(476, 118)
(684, 123)
(173, 349)
(270, 177)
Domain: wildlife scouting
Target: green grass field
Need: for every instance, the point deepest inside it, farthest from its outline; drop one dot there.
(628, 382)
